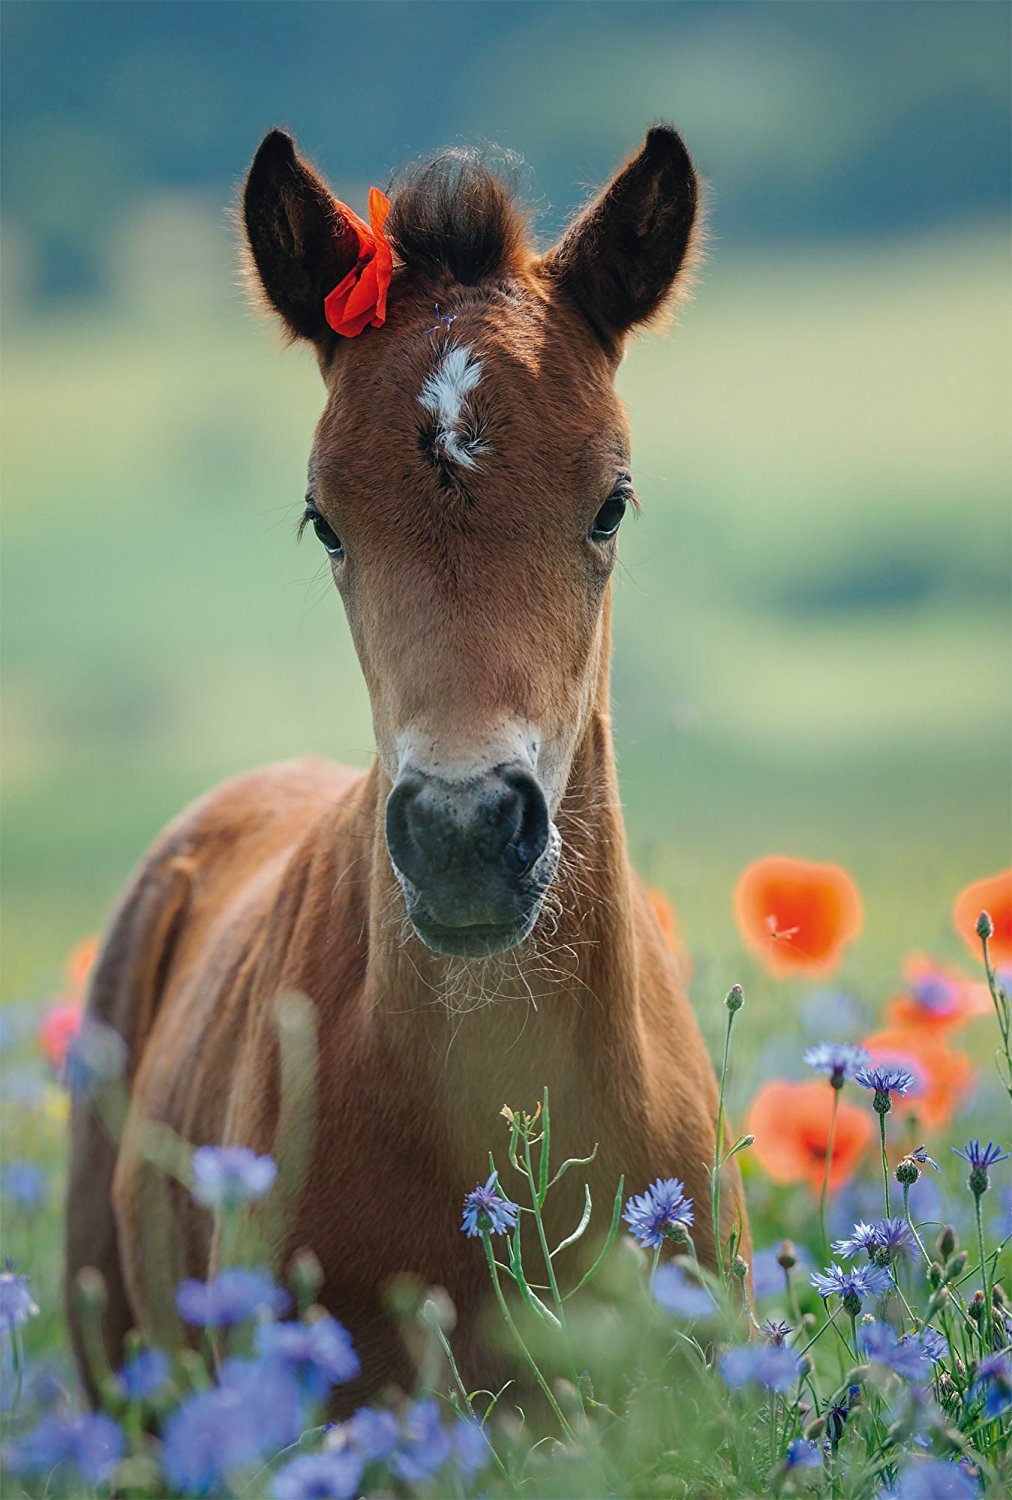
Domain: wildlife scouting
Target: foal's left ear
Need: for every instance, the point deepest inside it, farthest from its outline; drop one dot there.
(632, 246)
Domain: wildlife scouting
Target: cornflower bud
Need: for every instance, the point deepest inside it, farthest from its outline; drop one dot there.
(739, 1268)
(787, 1255)
(956, 1266)
(935, 1274)
(907, 1171)
(946, 1242)
(735, 998)
(985, 927)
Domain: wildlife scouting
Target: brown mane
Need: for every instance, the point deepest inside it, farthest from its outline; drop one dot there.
(454, 216)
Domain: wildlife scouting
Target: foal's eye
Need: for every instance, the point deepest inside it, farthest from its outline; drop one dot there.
(328, 536)
(606, 522)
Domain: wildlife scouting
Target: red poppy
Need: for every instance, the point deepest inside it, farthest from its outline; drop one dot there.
(795, 915)
(936, 996)
(942, 1074)
(790, 1122)
(62, 1020)
(361, 298)
(668, 921)
(993, 895)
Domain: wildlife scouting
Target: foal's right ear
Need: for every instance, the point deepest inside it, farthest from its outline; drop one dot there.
(300, 243)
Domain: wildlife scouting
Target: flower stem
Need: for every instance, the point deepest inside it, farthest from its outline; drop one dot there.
(567, 1431)
(718, 1150)
(825, 1175)
(885, 1161)
(988, 1311)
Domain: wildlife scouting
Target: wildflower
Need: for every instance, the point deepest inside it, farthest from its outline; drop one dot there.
(680, 1293)
(145, 1374)
(24, 1184)
(840, 1060)
(95, 1055)
(211, 1435)
(803, 1454)
(993, 1380)
(225, 1177)
(320, 1354)
(884, 1240)
(374, 1433)
(735, 998)
(486, 1213)
(885, 1081)
(671, 929)
(852, 1285)
(424, 1444)
(59, 1025)
(936, 996)
(470, 1446)
(796, 915)
(935, 1480)
(980, 1159)
(771, 1365)
(16, 1304)
(662, 1212)
(790, 1122)
(91, 1444)
(908, 1169)
(934, 1344)
(770, 1275)
(993, 896)
(272, 1399)
(882, 1347)
(941, 1074)
(859, 1239)
(233, 1295)
(776, 1333)
(320, 1476)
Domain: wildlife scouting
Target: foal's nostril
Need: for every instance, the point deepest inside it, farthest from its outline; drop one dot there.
(438, 832)
(407, 852)
(530, 821)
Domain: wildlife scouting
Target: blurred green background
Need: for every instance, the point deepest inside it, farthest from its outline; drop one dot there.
(812, 613)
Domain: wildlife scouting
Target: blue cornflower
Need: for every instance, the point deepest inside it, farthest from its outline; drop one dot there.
(803, 1454)
(16, 1304)
(92, 1444)
(771, 1365)
(840, 1060)
(424, 1444)
(211, 1435)
(232, 1296)
(852, 1285)
(884, 1240)
(486, 1213)
(775, 1332)
(662, 1212)
(882, 1347)
(920, 1155)
(24, 1184)
(320, 1476)
(993, 1380)
(271, 1396)
(225, 1177)
(95, 1056)
(681, 1294)
(980, 1159)
(859, 1239)
(885, 1081)
(470, 1446)
(373, 1432)
(145, 1374)
(935, 1480)
(319, 1354)
(934, 1344)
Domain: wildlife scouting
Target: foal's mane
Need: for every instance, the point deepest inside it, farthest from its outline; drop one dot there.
(455, 216)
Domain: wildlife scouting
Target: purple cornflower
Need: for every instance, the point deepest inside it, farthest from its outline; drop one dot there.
(840, 1060)
(211, 1435)
(486, 1213)
(884, 1240)
(24, 1184)
(373, 1432)
(776, 1333)
(320, 1476)
(225, 1177)
(885, 1081)
(993, 1380)
(423, 1446)
(904, 1357)
(908, 1169)
(232, 1296)
(859, 1239)
(92, 1444)
(319, 1354)
(16, 1304)
(934, 1344)
(771, 1365)
(852, 1285)
(681, 1294)
(145, 1374)
(661, 1213)
(803, 1454)
(980, 1159)
(935, 1480)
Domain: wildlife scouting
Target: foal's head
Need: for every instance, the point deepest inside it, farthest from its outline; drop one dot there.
(467, 481)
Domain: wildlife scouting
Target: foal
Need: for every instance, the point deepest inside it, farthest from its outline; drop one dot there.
(462, 917)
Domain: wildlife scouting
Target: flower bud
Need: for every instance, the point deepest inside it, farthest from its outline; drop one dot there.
(735, 998)
(739, 1268)
(787, 1255)
(805, 1365)
(976, 1307)
(946, 1242)
(938, 1301)
(907, 1171)
(307, 1276)
(985, 927)
(956, 1266)
(935, 1274)
(998, 1296)
(815, 1430)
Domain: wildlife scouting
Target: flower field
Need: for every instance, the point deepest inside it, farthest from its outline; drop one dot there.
(862, 1349)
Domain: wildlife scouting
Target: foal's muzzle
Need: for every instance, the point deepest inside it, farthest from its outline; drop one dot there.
(474, 858)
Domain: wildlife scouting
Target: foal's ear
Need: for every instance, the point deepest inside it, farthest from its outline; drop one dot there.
(632, 246)
(300, 243)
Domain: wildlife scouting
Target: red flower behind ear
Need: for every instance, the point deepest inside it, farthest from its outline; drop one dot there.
(361, 298)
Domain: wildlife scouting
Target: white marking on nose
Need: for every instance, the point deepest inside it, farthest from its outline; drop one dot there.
(445, 394)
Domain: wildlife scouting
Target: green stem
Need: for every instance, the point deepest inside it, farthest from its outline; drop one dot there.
(988, 1311)
(885, 1160)
(718, 1150)
(536, 1200)
(825, 1175)
(567, 1431)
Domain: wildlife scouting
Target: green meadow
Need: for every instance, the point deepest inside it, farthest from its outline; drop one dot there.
(811, 613)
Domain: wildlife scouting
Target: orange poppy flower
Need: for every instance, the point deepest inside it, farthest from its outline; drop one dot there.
(361, 297)
(795, 915)
(942, 1074)
(60, 1025)
(993, 895)
(80, 962)
(667, 920)
(790, 1122)
(936, 996)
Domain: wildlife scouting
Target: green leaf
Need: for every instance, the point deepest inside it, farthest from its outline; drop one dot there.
(616, 1214)
(573, 1161)
(578, 1231)
(533, 1301)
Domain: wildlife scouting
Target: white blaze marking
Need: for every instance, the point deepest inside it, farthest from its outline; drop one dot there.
(445, 394)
